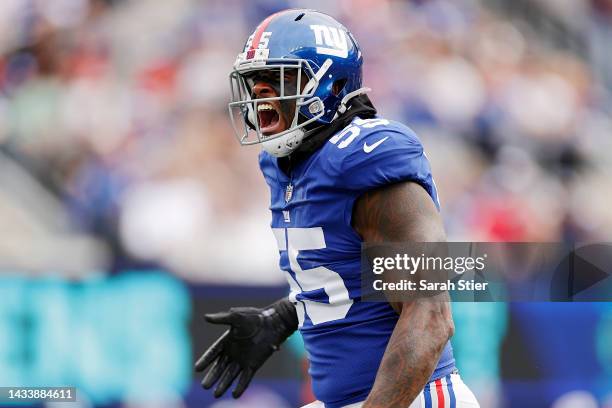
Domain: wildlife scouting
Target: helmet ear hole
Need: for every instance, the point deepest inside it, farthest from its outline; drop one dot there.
(338, 86)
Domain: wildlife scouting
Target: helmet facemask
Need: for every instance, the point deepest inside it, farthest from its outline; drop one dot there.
(294, 83)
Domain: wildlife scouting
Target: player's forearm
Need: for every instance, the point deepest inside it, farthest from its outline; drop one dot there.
(414, 349)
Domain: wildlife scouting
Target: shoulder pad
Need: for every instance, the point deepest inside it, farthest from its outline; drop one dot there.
(370, 153)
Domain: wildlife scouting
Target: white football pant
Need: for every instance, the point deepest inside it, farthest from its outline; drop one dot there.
(446, 392)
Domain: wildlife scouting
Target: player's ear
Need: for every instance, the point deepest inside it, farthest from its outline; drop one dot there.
(338, 86)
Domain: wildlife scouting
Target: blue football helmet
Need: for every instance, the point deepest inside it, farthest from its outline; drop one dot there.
(315, 65)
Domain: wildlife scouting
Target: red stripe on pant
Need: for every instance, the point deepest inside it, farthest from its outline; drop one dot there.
(440, 393)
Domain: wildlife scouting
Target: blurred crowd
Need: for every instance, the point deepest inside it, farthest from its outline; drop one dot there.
(116, 149)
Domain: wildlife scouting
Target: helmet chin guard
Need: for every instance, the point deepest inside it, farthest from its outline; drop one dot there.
(282, 146)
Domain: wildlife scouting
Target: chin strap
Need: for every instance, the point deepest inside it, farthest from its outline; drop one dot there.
(343, 103)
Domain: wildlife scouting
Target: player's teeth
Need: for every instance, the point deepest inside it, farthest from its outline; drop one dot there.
(264, 106)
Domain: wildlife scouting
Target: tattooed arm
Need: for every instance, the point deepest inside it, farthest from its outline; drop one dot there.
(399, 213)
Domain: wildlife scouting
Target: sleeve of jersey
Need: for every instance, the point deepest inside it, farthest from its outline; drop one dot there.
(386, 157)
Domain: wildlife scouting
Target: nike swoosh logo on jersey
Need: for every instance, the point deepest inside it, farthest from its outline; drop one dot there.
(369, 148)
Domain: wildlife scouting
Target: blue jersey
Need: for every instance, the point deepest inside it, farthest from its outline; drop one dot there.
(321, 252)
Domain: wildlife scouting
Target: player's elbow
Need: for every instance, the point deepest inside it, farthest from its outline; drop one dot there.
(440, 322)
(431, 316)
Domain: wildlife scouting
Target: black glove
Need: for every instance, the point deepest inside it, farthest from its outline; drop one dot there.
(253, 336)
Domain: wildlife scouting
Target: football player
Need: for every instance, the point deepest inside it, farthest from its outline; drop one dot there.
(339, 175)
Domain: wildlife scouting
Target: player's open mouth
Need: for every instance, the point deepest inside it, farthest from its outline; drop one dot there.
(269, 119)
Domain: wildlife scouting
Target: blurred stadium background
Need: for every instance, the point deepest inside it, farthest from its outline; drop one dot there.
(127, 210)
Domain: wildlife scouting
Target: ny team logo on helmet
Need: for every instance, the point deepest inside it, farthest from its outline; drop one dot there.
(321, 53)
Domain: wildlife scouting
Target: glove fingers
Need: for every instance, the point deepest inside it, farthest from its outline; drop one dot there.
(227, 379)
(219, 318)
(212, 353)
(243, 382)
(215, 372)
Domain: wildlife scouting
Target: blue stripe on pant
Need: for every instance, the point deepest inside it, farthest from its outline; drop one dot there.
(427, 396)
(451, 392)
